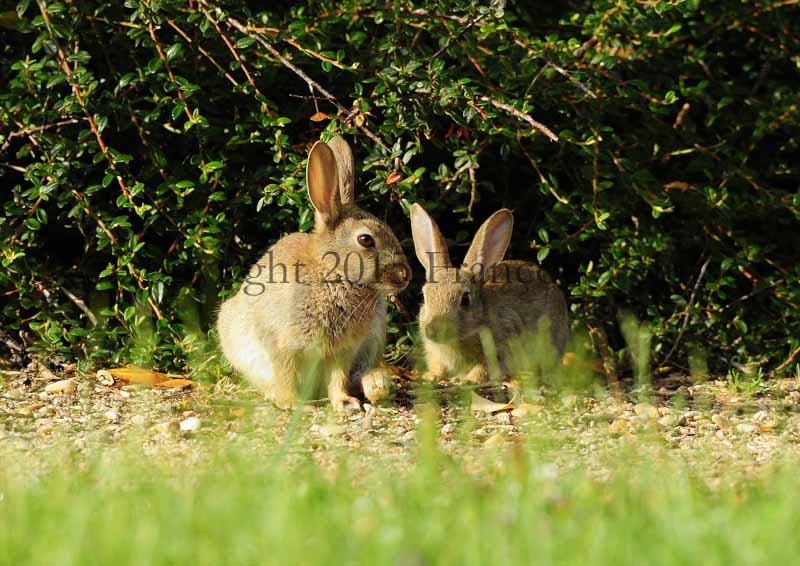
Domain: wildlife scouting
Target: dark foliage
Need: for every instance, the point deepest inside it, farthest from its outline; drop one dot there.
(150, 150)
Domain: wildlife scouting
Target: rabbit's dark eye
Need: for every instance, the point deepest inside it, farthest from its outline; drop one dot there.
(465, 299)
(365, 240)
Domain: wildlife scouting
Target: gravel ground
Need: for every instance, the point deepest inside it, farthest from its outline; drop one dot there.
(706, 425)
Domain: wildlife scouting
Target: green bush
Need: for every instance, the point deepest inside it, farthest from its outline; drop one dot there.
(150, 151)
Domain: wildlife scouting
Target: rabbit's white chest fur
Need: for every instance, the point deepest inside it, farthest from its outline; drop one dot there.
(331, 316)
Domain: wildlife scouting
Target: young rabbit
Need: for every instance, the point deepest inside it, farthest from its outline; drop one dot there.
(312, 311)
(515, 301)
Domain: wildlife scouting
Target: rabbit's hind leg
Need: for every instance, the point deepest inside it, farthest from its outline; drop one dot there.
(377, 385)
(338, 381)
(242, 346)
(366, 373)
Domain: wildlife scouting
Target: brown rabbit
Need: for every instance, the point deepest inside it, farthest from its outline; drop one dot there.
(514, 300)
(312, 312)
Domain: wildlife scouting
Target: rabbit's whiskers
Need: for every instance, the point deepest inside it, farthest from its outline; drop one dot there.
(344, 318)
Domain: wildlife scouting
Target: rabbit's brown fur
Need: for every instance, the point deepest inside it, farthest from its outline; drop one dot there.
(514, 300)
(321, 320)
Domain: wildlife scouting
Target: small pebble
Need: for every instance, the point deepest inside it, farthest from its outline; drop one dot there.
(112, 416)
(331, 430)
(669, 421)
(526, 409)
(47, 375)
(619, 426)
(14, 394)
(192, 424)
(166, 426)
(66, 386)
(369, 414)
(718, 420)
(746, 428)
(104, 377)
(645, 410)
(503, 418)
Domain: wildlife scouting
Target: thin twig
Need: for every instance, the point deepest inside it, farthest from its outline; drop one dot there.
(36, 129)
(81, 305)
(17, 168)
(542, 179)
(688, 311)
(473, 190)
(10, 342)
(233, 51)
(458, 36)
(314, 54)
(786, 362)
(600, 340)
(455, 176)
(168, 68)
(596, 176)
(314, 85)
(562, 71)
(205, 53)
(535, 124)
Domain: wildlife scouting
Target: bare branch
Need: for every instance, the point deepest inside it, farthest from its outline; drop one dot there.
(786, 362)
(36, 129)
(233, 51)
(81, 305)
(168, 68)
(205, 53)
(688, 311)
(535, 124)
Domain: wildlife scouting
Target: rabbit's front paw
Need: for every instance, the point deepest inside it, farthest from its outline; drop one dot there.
(344, 403)
(377, 385)
(337, 392)
(283, 400)
(478, 374)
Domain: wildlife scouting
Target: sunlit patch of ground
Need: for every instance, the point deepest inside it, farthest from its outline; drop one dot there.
(710, 426)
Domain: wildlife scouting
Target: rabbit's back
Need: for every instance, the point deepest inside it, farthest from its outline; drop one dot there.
(518, 295)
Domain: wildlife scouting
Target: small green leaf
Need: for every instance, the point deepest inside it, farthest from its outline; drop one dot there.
(244, 43)
(542, 254)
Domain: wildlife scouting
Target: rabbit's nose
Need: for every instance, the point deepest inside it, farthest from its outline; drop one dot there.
(440, 330)
(397, 275)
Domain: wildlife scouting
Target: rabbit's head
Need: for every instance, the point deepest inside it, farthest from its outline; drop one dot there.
(453, 307)
(351, 245)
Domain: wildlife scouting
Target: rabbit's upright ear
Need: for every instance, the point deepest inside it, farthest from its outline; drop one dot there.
(323, 180)
(429, 244)
(491, 241)
(345, 165)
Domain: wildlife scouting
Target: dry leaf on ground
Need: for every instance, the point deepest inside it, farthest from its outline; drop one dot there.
(139, 375)
(484, 405)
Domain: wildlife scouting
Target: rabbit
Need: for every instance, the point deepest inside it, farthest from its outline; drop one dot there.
(514, 300)
(312, 311)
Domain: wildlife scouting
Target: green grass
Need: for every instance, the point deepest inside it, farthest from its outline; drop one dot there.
(238, 507)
